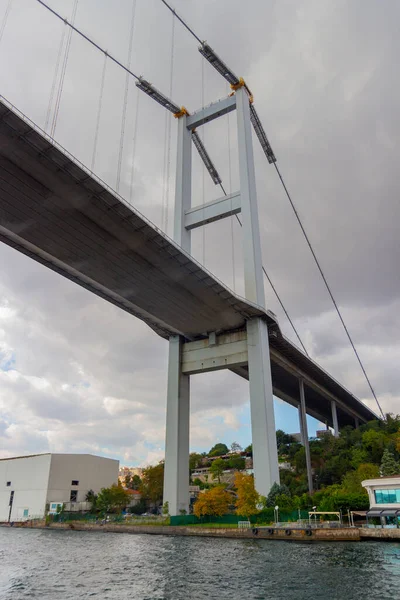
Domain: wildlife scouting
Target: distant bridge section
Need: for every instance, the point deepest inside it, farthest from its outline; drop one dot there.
(57, 212)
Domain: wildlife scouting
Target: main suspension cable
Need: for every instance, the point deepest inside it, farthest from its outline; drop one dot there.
(182, 21)
(328, 287)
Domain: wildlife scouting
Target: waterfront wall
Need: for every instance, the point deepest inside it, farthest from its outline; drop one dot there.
(379, 534)
(353, 534)
(324, 534)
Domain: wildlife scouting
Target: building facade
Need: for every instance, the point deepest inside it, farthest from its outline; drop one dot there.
(384, 500)
(32, 485)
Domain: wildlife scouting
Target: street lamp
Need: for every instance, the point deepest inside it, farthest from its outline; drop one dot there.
(315, 516)
(276, 509)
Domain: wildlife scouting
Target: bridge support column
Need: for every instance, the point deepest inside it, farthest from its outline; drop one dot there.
(304, 435)
(356, 423)
(265, 453)
(334, 419)
(176, 472)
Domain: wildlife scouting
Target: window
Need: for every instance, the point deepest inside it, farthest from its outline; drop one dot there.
(74, 496)
(387, 496)
(74, 482)
(8, 483)
(26, 512)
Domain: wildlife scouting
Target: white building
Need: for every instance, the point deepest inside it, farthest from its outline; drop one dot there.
(384, 499)
(30, 483)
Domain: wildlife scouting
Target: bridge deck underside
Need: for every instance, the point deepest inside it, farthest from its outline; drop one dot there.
(57, 212)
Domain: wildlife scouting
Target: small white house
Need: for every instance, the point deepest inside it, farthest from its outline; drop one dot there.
(384, 499)
(30, 483)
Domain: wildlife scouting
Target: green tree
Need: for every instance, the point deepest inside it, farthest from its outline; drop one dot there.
(136, 482)
(247, 496)
(249, 449)
(332, 499)
(236, 462)
(217, 468)
(284, 502)
(112, 499)
(132, 482)
(60, 510)
(235, 447)
(275, 491)
(374, 442)
(92, 498)
(392, 423)
(297, 483)
(351, 483)
(218, 450)
(138, 508)
(299, 460)
(195, 461)
(389, 465)
(284, 441)
(152, 483)
(358, 457)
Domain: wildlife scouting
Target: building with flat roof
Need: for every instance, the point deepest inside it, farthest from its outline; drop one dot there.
(30, 485)
(384, 499)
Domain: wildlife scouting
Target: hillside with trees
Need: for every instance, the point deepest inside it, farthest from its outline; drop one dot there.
(339, 466)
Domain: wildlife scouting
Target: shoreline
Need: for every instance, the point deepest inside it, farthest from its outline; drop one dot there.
(283, 534)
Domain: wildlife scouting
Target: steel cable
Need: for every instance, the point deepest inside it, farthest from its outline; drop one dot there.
(5, 18)
(125, 102)
(55, 76)
(99, 107)
(135, 128)
(87, 38)
(171, 78)
(328, 287)
(63, 71)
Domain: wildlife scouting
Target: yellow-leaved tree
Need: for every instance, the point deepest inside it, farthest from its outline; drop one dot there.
(247, 496)
(214, 502)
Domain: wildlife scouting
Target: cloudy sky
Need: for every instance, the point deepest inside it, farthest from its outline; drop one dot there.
(79, 375)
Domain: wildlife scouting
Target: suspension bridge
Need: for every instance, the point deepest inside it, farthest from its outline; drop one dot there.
(55, 210)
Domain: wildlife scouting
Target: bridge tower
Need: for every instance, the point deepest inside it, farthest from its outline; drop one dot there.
(235, 350)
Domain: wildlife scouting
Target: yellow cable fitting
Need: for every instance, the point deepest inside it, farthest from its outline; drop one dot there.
(181, 113)
(241, 83)
(237, 86)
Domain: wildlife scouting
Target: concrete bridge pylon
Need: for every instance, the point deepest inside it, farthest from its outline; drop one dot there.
(233, 350)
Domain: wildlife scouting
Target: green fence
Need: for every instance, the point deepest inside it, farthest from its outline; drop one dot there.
(266, 516)
(76, 516)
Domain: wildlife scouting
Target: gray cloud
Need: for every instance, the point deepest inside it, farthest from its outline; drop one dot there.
(88, 377)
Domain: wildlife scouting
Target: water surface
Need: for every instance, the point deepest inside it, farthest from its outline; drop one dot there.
(58, 565)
